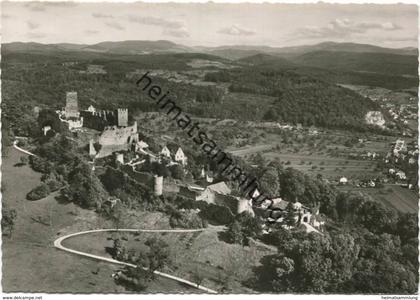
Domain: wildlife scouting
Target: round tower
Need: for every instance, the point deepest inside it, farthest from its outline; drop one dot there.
(158, 185)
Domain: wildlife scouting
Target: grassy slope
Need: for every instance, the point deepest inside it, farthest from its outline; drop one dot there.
(31, 263)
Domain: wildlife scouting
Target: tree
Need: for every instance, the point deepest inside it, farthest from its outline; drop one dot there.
(290, 215)
(269, 182)
(234, 233)
(85, 188)
(8, 221)
(117, 214)
(39, 192)
(177, 172)
(136, 278)
(157, 256)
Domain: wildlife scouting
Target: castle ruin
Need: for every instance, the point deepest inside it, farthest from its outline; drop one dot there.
(122, 117)
(72, 107)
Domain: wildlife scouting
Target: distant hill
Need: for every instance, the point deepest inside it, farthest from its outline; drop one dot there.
(384, 63)
(137, 47)
(38, 47)
(123, 47)
(232, 52)
(239, 51)
(268, 61)
(346, 47)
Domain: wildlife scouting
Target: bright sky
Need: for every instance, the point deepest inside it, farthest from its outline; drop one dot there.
(211, 24)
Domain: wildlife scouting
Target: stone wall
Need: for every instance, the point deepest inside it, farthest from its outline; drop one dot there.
(119, 136)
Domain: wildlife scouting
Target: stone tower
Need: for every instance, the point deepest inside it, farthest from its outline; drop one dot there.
(122, 117)
(92, 150)
(158, 185)
(72, 108)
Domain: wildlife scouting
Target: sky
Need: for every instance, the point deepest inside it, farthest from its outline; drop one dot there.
(210, 24)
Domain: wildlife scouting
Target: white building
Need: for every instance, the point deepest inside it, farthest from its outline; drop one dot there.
(45, 129)
(343, 180)
(91, 109)
(165, 152)
(180, 157)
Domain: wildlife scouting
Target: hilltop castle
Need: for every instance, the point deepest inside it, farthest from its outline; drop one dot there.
(116, 133)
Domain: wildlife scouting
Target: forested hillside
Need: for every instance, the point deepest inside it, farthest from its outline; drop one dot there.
(299, 98)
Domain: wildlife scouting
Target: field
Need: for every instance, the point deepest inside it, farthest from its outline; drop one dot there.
(393, 196)
(31, 263)
(330, 167)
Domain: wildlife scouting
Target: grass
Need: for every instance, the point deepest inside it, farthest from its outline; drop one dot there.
(30, 261)
(220, 264)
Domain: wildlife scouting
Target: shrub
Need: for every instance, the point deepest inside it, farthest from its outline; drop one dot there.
(39, 192)
(186, 219)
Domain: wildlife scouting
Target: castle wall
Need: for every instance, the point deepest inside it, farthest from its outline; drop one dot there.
(119, 136)
(98, 120)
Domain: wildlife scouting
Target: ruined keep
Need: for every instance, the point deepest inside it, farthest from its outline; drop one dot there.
(72, 108)
(122, 117)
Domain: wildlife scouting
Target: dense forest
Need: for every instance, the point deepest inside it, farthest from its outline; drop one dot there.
(300, 99)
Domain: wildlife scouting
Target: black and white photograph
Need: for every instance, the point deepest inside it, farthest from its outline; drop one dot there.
(209, 148)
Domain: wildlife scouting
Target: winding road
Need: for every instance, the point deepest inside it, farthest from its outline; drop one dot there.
(58, 245)
(21, 149)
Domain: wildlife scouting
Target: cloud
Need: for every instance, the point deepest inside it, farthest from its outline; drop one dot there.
(114, 25)
(35, 6)
(343, 28)
(102, 16)
(156, 21)
(35, 35)
(235, 30)
(32, 25)
(42, 6)
(178, 33)
(91, 32)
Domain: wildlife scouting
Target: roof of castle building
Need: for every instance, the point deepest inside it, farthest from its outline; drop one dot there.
(220, 188)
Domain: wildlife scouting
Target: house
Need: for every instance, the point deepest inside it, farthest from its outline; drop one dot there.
(343, 180)
(401, 175)
(111, 202)
(212, 191)
(207, 194)
(165, 152)
(45, 129)
(399, 147)
(91, 109)
(140, 145)
(180, 157)
(218, 194)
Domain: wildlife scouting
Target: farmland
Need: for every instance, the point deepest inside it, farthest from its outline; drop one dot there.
(394, 196)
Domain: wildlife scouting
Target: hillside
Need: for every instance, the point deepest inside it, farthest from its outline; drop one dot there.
(389, 71)
(240, 51)
(301, 98)
(370, 62)
(137, 47)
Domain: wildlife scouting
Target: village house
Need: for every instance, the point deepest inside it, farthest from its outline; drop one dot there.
(165, 152)
(399, 147)
(180, 157)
